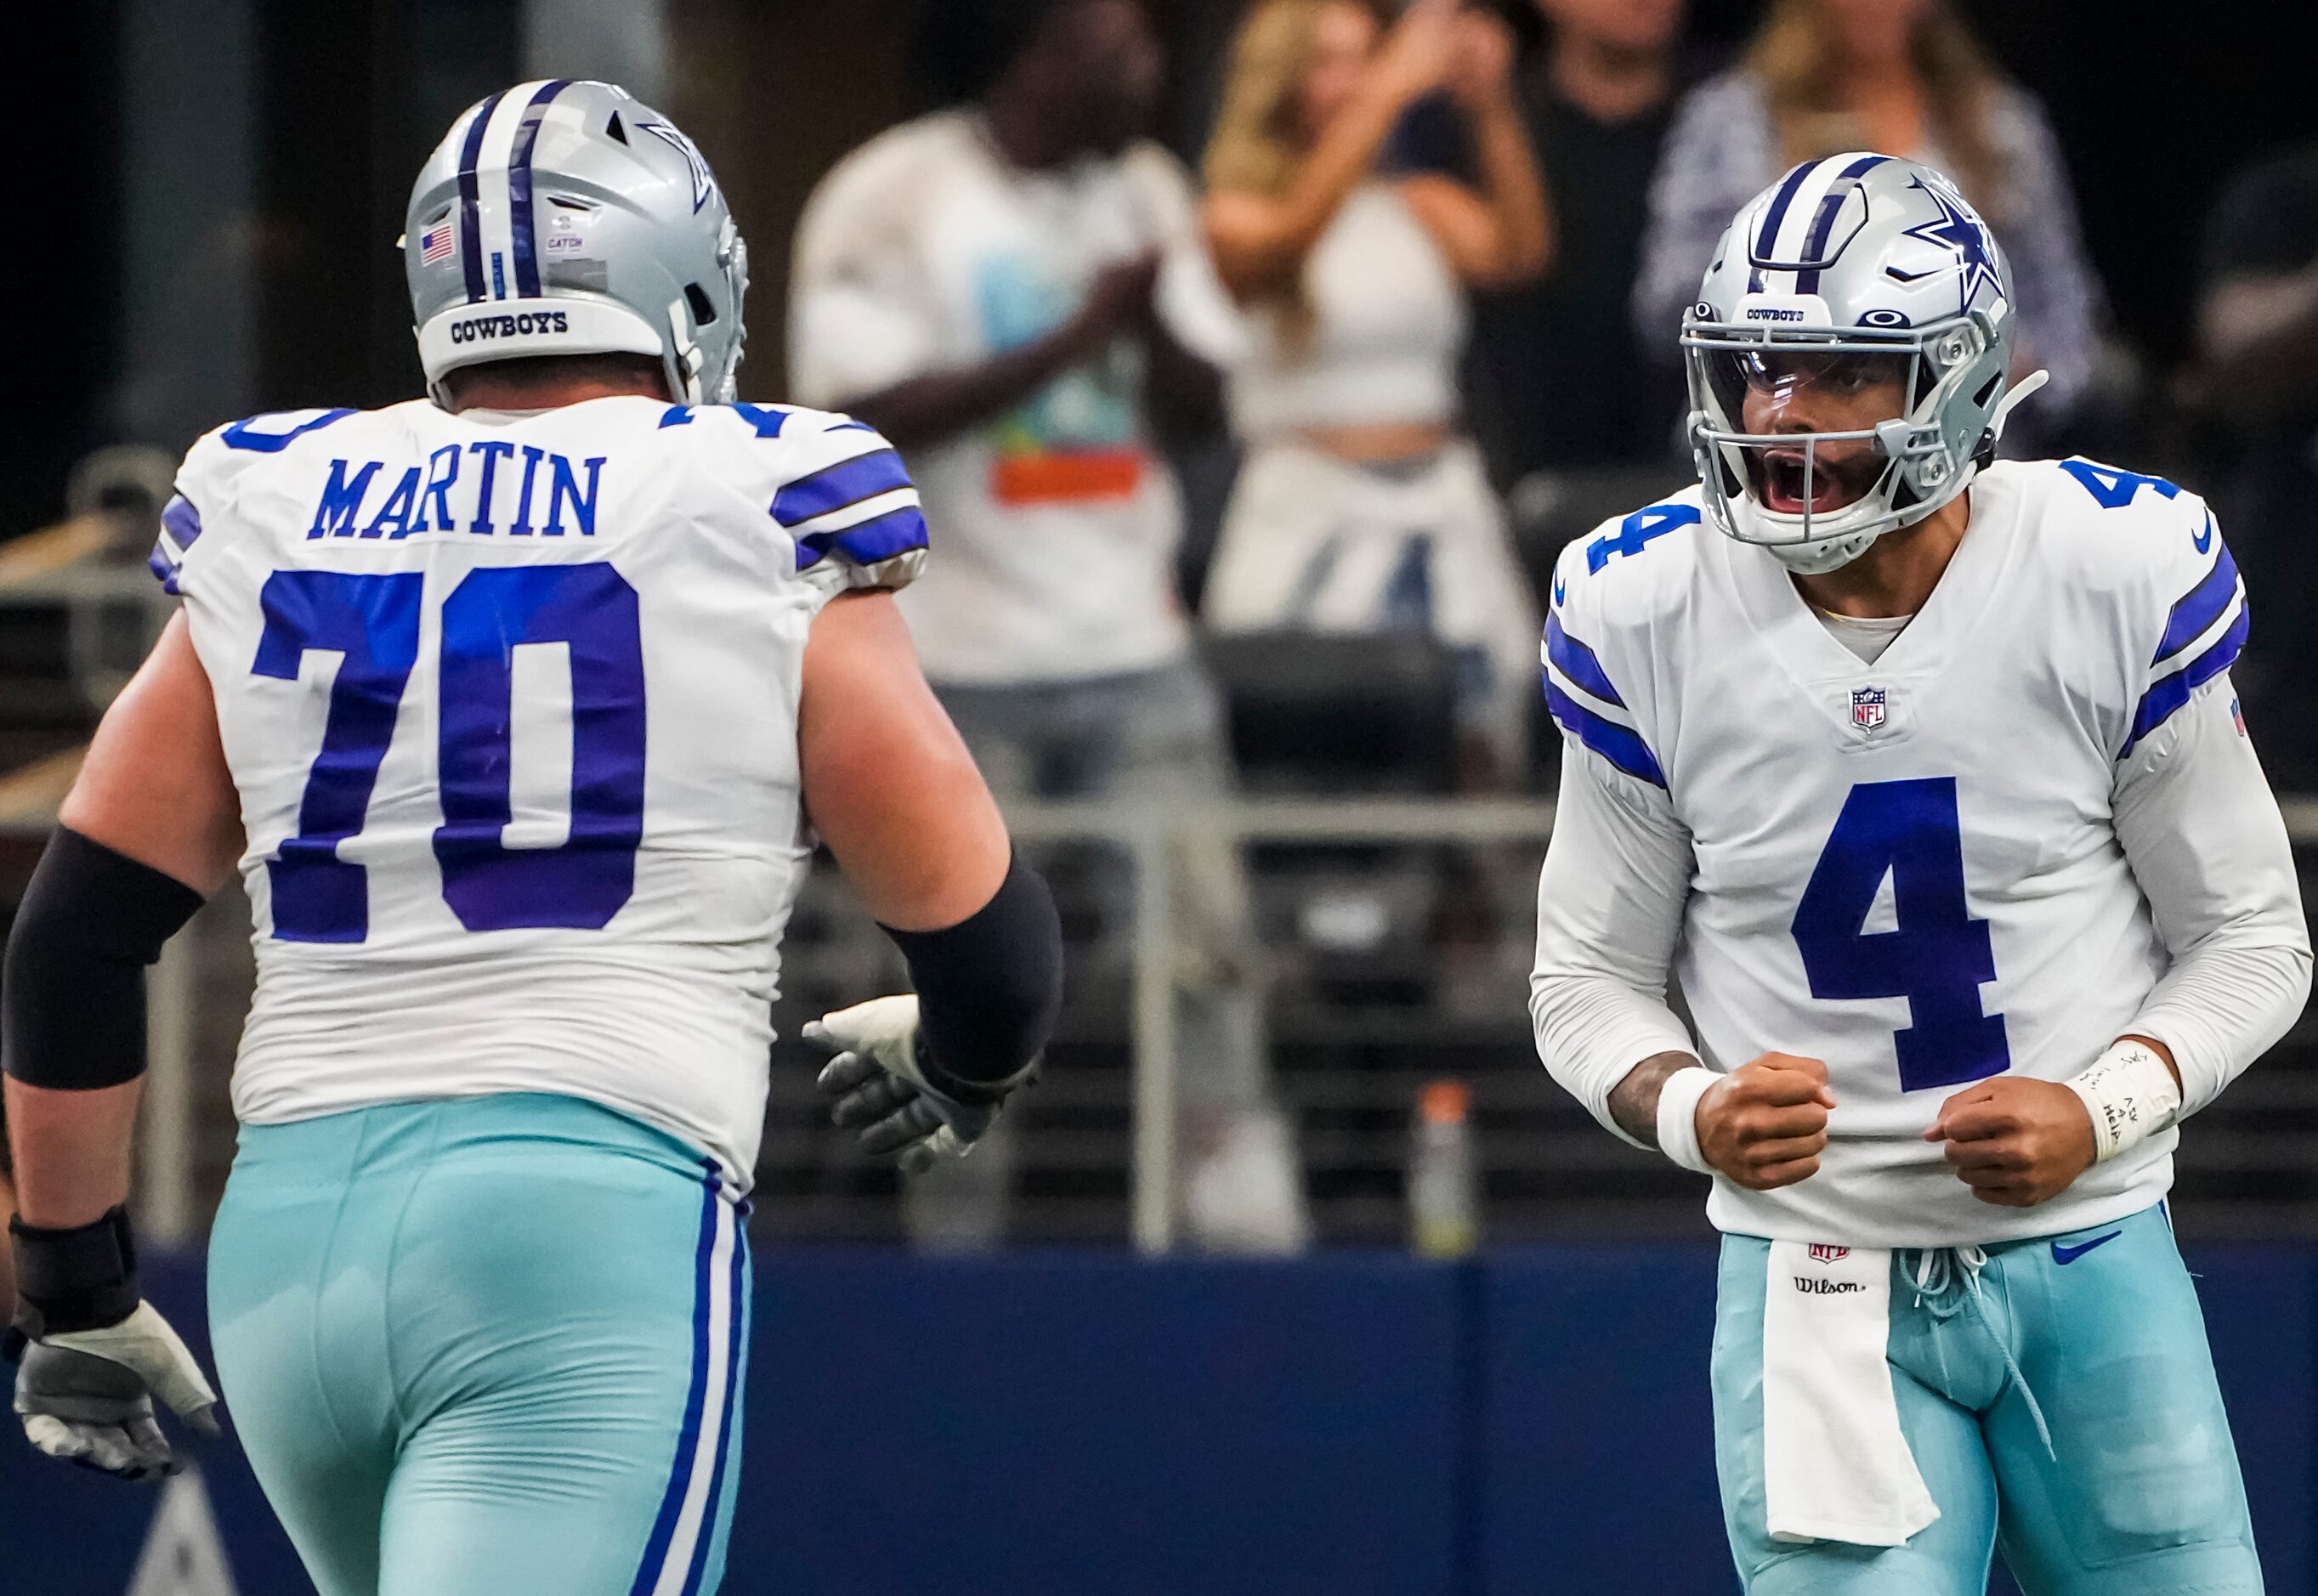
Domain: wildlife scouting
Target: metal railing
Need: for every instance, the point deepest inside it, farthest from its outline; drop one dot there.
(1150, 835)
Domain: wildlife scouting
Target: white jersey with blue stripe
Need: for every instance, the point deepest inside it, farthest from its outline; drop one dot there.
(510, 700)
(1916, 870)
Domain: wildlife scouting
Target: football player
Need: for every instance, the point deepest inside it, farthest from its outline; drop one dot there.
(519, 708)
(1921, 773)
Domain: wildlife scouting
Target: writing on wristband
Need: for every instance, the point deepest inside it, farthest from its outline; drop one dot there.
(2131, 1095)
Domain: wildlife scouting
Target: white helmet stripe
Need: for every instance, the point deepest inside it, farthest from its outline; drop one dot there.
(1793, 233)
(471, 243)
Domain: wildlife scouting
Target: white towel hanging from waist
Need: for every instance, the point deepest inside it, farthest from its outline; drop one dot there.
(1836, 1464)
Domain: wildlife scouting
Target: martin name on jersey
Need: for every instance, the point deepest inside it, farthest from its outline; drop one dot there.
(510, 699)
(1909, 869)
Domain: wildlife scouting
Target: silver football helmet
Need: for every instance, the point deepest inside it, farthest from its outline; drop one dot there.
(1853, 276)
(565, 217)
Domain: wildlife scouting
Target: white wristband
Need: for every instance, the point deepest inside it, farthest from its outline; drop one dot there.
(2131, 1094)
(1678, 1117)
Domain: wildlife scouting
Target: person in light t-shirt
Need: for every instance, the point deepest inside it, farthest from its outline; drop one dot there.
(1012, 291)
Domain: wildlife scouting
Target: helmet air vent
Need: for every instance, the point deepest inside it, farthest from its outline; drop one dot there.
(703, 313)
(613, 129)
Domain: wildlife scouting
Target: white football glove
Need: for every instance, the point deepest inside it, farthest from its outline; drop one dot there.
(880, 1080)
(86, 1395)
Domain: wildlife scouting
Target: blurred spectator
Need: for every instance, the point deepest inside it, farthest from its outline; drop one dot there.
(2257, 376)
(1555, 364)
(1361, 507)
(1013, 291)
(1905, 77)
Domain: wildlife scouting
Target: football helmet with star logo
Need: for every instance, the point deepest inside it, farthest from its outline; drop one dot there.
(1849, 358)
(566, 217)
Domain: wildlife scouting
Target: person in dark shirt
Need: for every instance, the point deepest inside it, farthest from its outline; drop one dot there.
(2256, 382)
(1557, 380)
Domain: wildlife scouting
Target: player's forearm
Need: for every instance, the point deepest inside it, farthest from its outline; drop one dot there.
(2223, 1007)
(1634, 1101)
(71, 1151)
(1590, 1028)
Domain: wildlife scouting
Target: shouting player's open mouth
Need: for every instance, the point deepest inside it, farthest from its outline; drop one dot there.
(1831, 476)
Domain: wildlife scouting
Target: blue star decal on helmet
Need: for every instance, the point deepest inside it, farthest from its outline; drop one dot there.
(704, 182)
(1963, 234)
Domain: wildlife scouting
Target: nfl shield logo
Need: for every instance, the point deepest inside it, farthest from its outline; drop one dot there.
(1867, 707)
(1822, 1253)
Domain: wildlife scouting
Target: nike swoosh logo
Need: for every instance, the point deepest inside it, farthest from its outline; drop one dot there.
(1897, 275)
(2063, 1253)
(2204, 536)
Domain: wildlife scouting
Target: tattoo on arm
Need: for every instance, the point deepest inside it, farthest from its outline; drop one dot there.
(1634, 1101)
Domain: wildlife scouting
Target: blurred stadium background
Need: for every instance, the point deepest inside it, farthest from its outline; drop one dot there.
(221, 184)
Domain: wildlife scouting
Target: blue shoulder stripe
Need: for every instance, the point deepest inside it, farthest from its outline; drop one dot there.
(2197, 609)
(1622, 746)
(866, 542)
(182, 521)
(2160, 704)
(181, 526)
(848, 482)
(1574, 660)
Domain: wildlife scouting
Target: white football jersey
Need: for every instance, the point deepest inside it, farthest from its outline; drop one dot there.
(1907, 869)
(510, 700)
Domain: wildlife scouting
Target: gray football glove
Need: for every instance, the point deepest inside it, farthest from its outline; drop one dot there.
(891, 1094)
(86, 1397)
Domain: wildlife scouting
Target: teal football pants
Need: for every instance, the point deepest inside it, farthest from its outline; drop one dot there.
(492, 1346)
(2139, 1493)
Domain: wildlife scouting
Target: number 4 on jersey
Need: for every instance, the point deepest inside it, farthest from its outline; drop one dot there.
(2112, 487)
(1938, 956)
(1636, 531)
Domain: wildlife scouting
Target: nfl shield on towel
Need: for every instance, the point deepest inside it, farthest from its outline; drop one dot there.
(1820, 1253)
(1867, 707)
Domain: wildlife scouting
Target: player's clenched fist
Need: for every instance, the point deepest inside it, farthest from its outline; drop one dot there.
(1764, 1125)
(2014, 1141)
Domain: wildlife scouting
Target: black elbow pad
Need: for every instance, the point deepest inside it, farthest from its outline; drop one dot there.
(72, 995)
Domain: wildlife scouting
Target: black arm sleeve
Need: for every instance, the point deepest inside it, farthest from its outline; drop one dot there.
(72, 995)
(989, 987)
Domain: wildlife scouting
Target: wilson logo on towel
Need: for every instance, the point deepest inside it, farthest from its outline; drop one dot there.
(1811, 1287)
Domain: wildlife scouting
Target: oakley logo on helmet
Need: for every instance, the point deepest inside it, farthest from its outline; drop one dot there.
(476, 327)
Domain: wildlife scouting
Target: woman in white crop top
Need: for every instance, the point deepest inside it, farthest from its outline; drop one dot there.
(1361, 506)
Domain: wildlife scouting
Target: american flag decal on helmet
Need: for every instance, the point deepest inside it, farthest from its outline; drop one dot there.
(437, 243)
